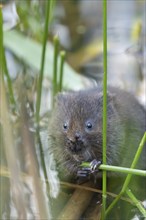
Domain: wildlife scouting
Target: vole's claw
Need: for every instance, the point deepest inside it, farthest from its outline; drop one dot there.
(83, 173)
(95, 165)
(86, 171)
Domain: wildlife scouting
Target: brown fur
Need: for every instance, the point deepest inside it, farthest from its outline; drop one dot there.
(125, 128)
(77, 143)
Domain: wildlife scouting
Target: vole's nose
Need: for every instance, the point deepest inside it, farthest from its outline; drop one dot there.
(77, 136)
(75, 144)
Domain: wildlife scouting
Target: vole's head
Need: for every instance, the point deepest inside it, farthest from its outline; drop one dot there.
(78, 124)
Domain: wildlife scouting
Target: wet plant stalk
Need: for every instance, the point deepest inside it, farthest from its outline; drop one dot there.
(9, 149)
(9, 82)
(128, 178)
(123, 170)
(104, 131)
(136, 202)
(55, 65)
(40, 79)
(4, 64)
(117, 169)
(62, 57)
(28, 139)
(42, 159)
(135, 160)
(1, 43)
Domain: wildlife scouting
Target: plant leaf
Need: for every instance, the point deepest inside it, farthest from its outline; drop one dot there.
(30, 52)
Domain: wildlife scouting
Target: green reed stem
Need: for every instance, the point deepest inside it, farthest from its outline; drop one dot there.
(62, 58)
(135, 160)
(136, 202)
(42, 159)
(117, 169)
(7, 137)
(1, 43)
(123, 170)
(9, 82)
(104, 105)
(4, 64)
(55, 65)
(40, 79)
(128, 178)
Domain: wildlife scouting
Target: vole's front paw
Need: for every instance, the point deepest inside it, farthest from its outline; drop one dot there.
(92, 168)
(95, 165)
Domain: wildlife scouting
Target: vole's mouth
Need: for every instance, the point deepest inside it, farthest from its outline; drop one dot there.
(79, 153)
(82, 157)
(78, 158)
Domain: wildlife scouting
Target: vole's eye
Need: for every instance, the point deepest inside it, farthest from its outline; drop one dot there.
(65, 126)
(88, 125)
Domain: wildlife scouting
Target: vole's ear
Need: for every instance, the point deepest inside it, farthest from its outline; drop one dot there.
(60, 98)
(110, 104)
(110, 96)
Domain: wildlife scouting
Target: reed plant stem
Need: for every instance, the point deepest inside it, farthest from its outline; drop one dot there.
(42, 159)
(123, 170)
(40, 79)
(9, 82)
(104, 131)
(117, 169)
(135, 160)
(4, 69)
(62, 57)
(55, 65)
(136, 202)
(129, 176)
(7, 138)
(1, 43)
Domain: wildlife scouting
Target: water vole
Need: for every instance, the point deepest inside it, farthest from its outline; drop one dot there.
(75, 130)
(75, 134)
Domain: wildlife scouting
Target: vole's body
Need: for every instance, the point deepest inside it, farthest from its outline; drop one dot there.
(76, 130)
(77, 143)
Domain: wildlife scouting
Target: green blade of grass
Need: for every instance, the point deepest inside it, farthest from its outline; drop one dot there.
(116, 169)
(40, 80)
(136, 202)
(129, 176)
(55, 66)
(104, 131)
(4, 69)
(62, 57)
